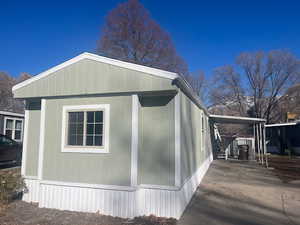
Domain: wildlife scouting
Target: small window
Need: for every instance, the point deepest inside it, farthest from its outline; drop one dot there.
(86, 128)
(13, 128)
(18, 130)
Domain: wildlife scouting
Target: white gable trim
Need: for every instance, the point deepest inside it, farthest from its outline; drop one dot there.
(86, 55)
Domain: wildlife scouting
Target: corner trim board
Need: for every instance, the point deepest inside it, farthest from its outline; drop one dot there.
(25, 141)
(42, 138)
(177, 142)
(134, 139)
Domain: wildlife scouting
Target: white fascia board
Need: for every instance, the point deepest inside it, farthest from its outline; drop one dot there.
(86, 55)
(237, 118)
(11, 113)
(281, 124)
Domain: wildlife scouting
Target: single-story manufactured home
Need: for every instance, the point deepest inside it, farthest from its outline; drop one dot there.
(112, 137)
(11, 125)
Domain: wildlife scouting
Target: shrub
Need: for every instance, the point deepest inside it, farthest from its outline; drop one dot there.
(11, 185)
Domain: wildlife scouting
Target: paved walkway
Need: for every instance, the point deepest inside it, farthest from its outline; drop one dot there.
(243, 193)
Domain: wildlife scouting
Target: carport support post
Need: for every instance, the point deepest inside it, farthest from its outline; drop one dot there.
(265, 144)
(261, 144)
(255, 142)
(258, 142)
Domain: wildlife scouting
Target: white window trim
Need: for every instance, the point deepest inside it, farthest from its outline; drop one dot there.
(14, 119)
(86, 149)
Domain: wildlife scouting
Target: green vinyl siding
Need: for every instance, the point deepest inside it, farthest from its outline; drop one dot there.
(193, 150)
(111, 168)
(156, 156)
(92, 77)
(33, 137)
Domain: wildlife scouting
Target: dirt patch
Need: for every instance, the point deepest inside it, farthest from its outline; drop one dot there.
(287, 169)
(22, 213)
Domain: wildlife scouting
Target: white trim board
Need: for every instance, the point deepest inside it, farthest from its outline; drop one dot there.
(25, 140)
(134, 139)
(93, 186)
(177, 141)
(42, 138)
(237, 118)
(282, 124)
(86, 55)
(6, 113)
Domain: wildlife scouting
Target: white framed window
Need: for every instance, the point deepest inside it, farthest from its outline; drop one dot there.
(85, 128)
(13, 128)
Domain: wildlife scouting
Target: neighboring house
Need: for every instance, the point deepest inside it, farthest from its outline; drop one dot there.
(288, 106)
(11, 125)
(107, 136)
(282, 137)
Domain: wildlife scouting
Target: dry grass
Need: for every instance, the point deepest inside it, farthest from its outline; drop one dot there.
(286, 168)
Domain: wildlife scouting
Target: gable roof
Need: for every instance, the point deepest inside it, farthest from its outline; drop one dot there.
(177, 79)
(86, 55)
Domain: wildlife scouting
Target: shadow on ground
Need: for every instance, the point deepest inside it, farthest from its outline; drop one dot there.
(243, 193)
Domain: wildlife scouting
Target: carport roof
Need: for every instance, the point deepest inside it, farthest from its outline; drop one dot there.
(282, 124)
(236, 119)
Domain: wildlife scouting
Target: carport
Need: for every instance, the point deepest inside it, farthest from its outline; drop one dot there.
(259, 132)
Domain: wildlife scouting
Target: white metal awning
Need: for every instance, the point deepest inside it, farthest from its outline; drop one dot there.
(236, 119)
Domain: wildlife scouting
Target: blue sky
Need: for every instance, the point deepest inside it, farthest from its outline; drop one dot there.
(36, 35)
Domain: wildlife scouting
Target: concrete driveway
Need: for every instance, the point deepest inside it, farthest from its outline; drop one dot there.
(233, 192)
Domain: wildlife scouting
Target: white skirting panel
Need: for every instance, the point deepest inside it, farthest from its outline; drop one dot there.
(188, 189)
(121, 203)
(162, 203)
(107, 202)
(33, 187)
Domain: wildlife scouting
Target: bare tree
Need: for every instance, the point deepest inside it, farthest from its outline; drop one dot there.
(7, 102)
(6, 97)
(256, 81)
(199, 84)
(226, 90)
(23, 76)
(131, 35)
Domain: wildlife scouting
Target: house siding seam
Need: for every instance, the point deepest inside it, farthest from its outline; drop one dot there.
(125, 204)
